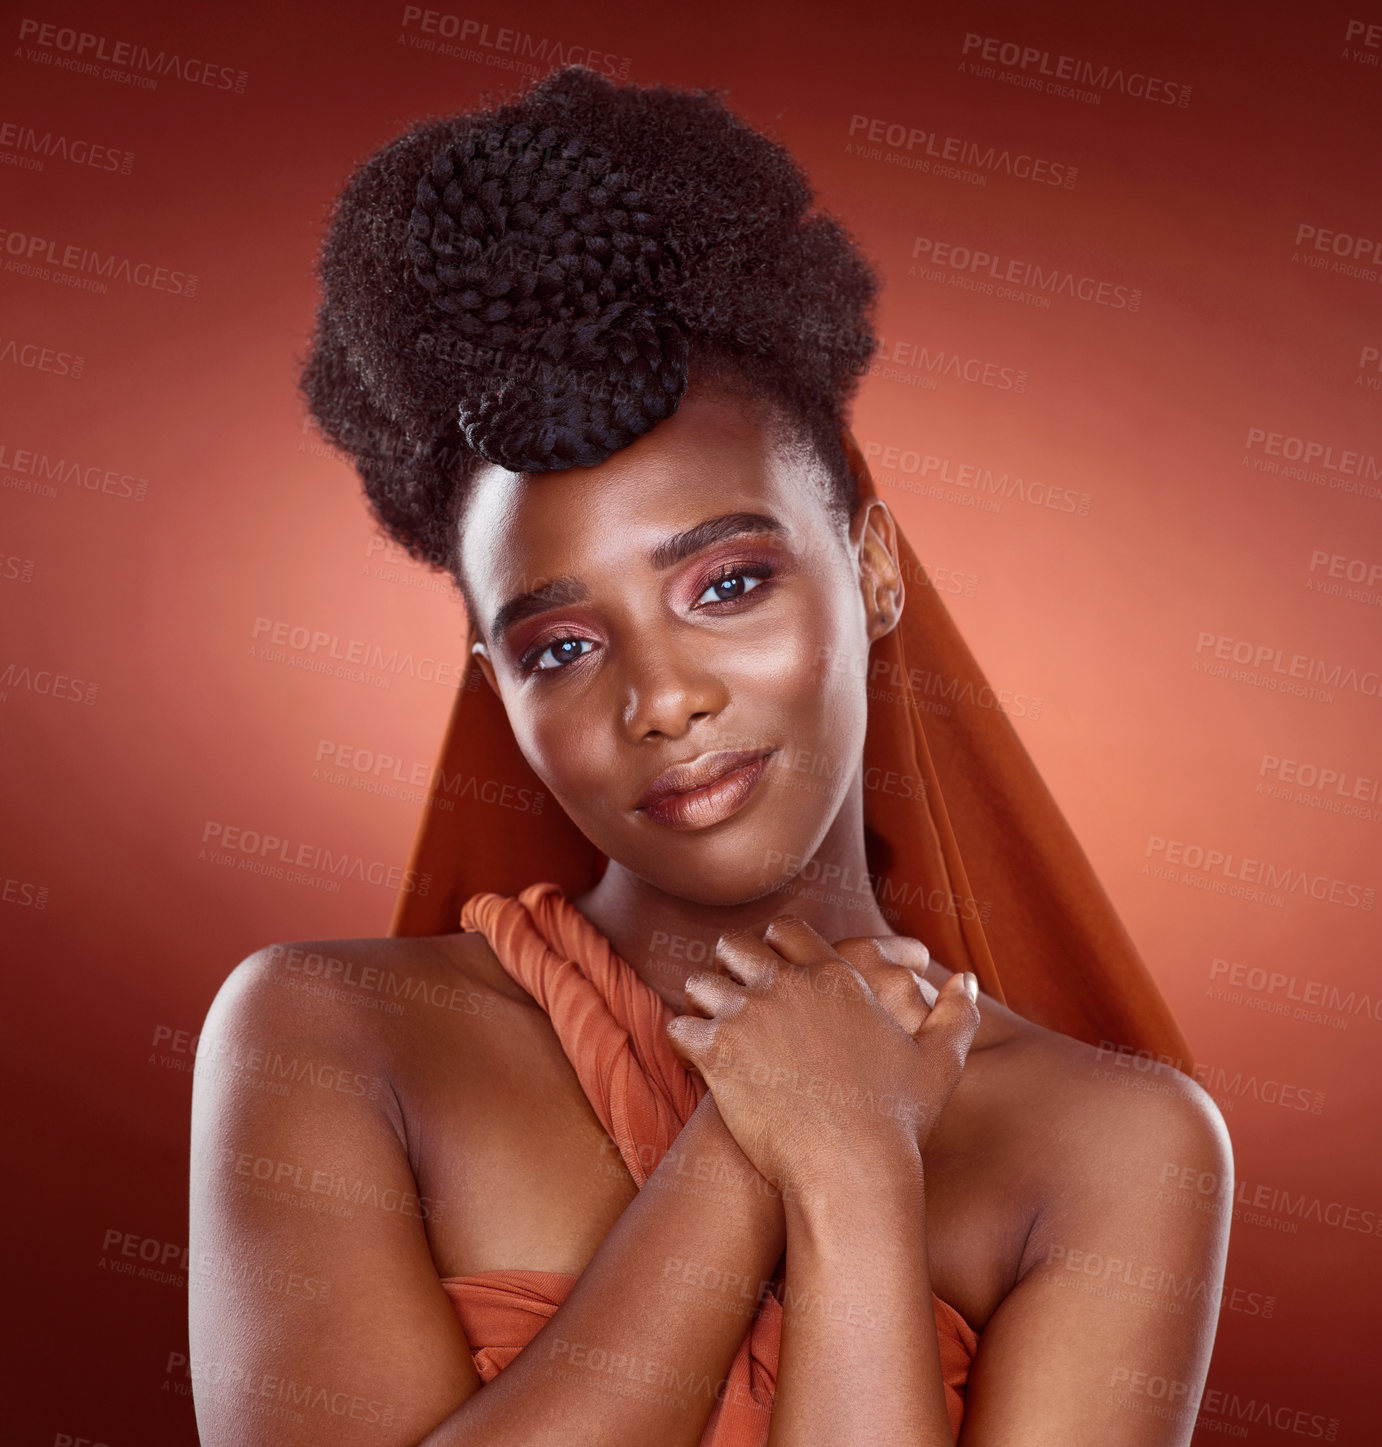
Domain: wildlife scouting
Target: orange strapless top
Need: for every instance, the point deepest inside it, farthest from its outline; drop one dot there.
(611, 1027)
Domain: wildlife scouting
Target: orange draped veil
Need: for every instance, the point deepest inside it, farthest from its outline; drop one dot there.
(968, 851)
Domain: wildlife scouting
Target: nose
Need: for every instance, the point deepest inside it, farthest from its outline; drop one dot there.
(668, 686)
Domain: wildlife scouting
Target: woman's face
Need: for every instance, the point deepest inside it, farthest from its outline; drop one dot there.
(691, 601)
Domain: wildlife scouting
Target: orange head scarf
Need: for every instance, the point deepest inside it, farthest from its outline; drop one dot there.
(968, 850)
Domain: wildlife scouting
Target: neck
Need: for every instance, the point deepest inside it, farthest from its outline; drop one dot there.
(665, 938)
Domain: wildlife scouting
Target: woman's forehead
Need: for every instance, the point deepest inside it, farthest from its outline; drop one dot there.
(557, 526)
(702, 463)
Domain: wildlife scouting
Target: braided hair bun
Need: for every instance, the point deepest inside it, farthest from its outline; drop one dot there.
(531, 284)
(536, 248)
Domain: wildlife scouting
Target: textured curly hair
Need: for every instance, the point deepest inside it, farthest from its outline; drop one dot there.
(532, 283)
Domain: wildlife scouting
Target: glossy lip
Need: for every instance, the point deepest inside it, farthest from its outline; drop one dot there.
(704, 790)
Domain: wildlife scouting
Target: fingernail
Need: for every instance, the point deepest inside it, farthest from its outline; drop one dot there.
(972, 986)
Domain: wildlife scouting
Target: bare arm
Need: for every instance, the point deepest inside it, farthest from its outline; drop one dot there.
(1107, 1335)
(860, 1364)
(826, 1089)
(317, 1315)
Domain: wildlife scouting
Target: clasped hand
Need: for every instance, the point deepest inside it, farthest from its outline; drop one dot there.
(821, 1057)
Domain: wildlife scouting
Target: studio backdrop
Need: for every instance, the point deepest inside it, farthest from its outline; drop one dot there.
(1126, 407)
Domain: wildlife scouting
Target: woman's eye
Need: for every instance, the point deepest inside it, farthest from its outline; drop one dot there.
(560, 652)
(731, 586)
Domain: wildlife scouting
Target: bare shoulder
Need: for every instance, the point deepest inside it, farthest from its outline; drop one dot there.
(365, 995)
(1074, 1101)
(307, 1216)
(1104, 1129)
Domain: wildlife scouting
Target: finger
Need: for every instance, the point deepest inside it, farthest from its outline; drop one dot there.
(746, 958)
(797, 942)
(902, 950)
(692, 1040)
(712, 992)
(899, 990)
(955, 1018)
(928, 990)
(713, 968)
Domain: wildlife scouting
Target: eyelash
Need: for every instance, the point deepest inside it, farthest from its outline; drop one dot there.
(760, 570)
(763, 571)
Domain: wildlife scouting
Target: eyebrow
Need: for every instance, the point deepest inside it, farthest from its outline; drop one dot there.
(563, 591)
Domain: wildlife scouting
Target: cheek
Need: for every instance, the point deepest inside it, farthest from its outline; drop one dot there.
(812, 674)
(564, 745)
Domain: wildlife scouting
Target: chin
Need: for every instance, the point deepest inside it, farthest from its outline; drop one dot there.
(715, 868)
(720, 888)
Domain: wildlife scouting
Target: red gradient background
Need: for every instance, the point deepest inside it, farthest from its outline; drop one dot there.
(1101, 612)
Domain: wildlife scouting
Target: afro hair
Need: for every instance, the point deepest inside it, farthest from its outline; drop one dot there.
(531, 284)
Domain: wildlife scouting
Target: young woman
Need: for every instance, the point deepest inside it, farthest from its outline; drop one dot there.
(538, 1178)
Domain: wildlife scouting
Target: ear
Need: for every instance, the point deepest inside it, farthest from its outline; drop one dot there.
(873, 540)
(481, 655)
